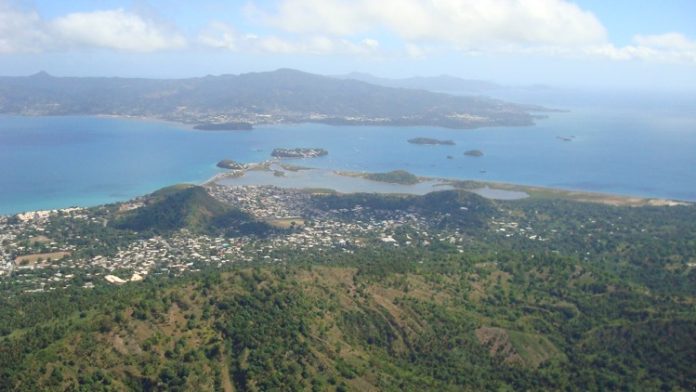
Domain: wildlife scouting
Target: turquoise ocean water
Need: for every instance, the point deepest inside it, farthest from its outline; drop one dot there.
(642, 148)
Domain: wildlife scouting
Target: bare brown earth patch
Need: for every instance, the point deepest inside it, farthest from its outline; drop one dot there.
(33, 259)
(517, 348)
(498, 342)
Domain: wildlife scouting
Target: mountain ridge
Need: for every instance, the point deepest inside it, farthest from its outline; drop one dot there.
(281, 96)
(443, 83)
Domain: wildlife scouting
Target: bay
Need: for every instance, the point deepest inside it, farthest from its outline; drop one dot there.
(646, 149)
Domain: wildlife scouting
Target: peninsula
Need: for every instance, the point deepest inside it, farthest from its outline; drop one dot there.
(240, 102)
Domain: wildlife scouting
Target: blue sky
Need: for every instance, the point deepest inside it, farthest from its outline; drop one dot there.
(636, 44)
(625, 18)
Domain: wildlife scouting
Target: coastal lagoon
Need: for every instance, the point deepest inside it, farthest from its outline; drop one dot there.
(319, 179)
(54, 162)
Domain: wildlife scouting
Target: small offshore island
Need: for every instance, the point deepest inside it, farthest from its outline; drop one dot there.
(299, 152)
(474, 153)
(230, 164)
(401, 177)
(431, 141)
(227, 126)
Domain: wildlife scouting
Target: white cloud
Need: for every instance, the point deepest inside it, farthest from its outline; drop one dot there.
(224, 36)
(219, 35)
(415, 51)
(669, 47)
(115, 29)
(548, 27)
(370, 43)
(412, 28)
(669, 41)
(666, 48)
(21, 31)
(26, 31)
(467, 24)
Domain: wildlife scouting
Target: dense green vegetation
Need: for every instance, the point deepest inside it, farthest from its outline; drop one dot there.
(445, 209)
(390, 320)
(546, 294)
(395, 177)
(230, 164)
(189, 207)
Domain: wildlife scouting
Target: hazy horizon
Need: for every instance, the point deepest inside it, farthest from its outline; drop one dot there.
(589, 44)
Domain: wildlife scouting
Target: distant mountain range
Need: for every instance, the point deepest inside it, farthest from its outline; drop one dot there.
(280, 96)
(442, 83)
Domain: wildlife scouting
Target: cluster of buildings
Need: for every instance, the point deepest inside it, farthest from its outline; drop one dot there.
(510, 228)
(23, 245)
(190, 116)
(172, 254)
(307, 228)
(7, 236)
(263, 202)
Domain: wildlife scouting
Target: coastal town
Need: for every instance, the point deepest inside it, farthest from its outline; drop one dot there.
(48, 250)
(77, 247)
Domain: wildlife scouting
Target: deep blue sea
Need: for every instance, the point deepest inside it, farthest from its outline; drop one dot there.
(619, 145)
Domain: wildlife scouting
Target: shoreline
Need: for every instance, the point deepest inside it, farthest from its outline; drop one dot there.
(175, 124)
(190, 126)
(533, 191)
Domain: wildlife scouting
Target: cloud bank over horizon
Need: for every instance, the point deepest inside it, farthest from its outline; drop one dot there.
(117, 29)
(378, 31)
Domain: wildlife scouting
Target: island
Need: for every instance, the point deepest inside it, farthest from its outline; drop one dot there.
(227, 126)
(401, 177)
(238, 102)
(430, 141)
(474, 153)
(299, 152)
(230, 164)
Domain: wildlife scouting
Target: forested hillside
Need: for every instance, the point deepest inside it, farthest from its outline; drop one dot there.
(372, 321)
(471, 294)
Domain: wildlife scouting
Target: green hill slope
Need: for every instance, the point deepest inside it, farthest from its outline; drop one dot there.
(451, 208)
(365, 323)
(539, 294)
(188, 207)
